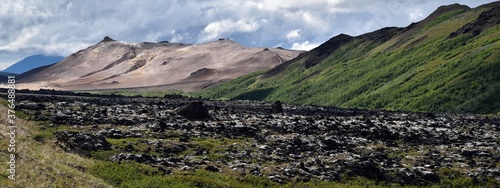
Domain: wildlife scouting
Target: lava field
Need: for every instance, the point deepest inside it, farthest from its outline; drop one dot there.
(279, 141)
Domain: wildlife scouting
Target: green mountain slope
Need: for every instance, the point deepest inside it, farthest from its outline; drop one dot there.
(448, 62)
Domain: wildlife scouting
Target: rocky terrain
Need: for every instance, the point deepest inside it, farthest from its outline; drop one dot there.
(278, 141)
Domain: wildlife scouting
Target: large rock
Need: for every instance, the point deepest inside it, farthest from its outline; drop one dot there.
(277, 108)
(194, 111)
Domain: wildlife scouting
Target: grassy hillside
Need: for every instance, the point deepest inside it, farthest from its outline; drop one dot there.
(448, 62)
(39, 162)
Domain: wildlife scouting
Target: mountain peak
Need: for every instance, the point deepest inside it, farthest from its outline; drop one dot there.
(222, 42)
(452, 7)
(225, 40)
(447, 8)
(107, 39)
(115, 64)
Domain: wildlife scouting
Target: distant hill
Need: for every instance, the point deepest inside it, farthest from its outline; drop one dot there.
(7, 74)
(448, 62)
(4, 76)
(32, 71)
(112, 64)
(32, 62)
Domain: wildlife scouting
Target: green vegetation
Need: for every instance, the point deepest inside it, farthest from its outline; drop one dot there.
(428, 71)
(232, 89)
(444, 17)
(137, 175)
(39, 162)
(143, 93)
(454, 178)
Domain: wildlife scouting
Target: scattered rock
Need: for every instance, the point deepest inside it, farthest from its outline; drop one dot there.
(81, 143)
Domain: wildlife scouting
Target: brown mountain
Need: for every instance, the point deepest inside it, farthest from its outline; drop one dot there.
(112, 64)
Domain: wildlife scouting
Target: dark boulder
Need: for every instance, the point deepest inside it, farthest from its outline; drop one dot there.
(212, 168)
(367, 169)
(194, 111)
(277, 108)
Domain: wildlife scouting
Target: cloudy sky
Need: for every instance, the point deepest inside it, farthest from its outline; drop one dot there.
(62, 27)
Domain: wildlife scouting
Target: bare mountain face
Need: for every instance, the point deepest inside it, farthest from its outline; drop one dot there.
(112, 64)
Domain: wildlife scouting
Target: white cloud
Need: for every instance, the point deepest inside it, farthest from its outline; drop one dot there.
(293, 34)
(415, 15)
(6, 64)
(22, 40)
(306, 45)
(178, 37)
(312, 20)
(62, 27)
(279, 5)
(222, 28)
(64, 48)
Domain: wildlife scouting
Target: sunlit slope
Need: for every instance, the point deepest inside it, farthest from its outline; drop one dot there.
(112, 64)
(448, 62)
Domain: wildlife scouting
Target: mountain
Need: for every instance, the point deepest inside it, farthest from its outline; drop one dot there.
(112, 64)
(32, 71)
(4, 76)
(32, 62)
(7, 74)
(448, 62)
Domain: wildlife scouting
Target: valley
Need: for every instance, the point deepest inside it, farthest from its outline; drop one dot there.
(412, 106)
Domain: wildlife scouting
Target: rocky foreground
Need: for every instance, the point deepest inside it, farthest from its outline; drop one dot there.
(281, 142)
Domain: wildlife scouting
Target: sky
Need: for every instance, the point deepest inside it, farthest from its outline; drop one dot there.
(62, 27)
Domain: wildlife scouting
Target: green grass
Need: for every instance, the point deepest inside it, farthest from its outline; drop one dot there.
(143, 93)
(40, 163)
(444, 17)
(138, 175)
(229, 90)
(132, 174)
(454, 178)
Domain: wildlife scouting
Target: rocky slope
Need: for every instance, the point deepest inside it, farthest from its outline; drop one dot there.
(281, 142)
(112, 64)
(447, 62)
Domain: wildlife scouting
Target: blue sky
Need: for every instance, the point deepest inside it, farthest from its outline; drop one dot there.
(62, 27)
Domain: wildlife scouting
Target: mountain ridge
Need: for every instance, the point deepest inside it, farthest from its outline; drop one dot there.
(32, 62)
(415, 68)
(112, 64)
